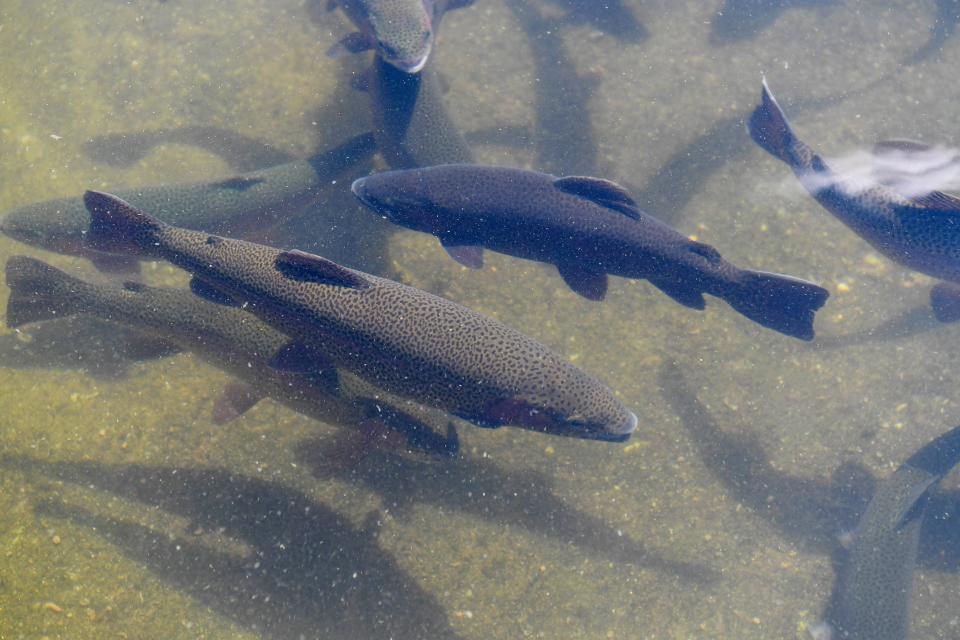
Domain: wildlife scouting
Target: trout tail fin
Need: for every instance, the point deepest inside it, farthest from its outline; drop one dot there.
(41, 292)
(782, 303)
(118, 227)
(768, 126)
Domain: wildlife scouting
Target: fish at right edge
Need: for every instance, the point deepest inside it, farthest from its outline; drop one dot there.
(921, 232)
(871, 599)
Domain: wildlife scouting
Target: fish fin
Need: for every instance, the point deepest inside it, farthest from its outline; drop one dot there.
(119, 227)
(599, 191)
(945, 301)
(203, 289)
(768, 126)
(355, 42)
(469, 255)
(589, 284)
(327, 379)
(236, 399)
(140, 346)
(300, 358)
(238, 183)
(901, 145)
(939, 201)
(40, 292)
(307, 267)
(419, 436)
(114, 263)
(705, 250)
(782, 303)
(686, 296)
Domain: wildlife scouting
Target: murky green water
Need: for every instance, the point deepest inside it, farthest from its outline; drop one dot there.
(126, 513)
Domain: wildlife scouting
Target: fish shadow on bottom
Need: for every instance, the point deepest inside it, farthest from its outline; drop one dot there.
(307, 572)
(911, 322)
(514, 498)
(811, 513)
(101, 349)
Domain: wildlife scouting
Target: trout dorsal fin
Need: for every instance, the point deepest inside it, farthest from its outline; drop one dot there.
(938, 201)
(602, 192)
(307, 267)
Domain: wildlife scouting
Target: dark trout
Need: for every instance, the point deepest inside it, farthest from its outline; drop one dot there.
(922, 233)
(227, 338)
(871, 600)
(410, 120)
(588, 228)
(399, 338)
(254, 200)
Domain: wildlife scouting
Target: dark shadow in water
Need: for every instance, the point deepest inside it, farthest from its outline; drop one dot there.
(306, 572)
(505, 497)
(668, 192)
(609, 16)
(911, 322)
(101, 349)
(240, 152)
(563, 134)
(944, 26)
(744, 19)
(509, 136)
(809, 512)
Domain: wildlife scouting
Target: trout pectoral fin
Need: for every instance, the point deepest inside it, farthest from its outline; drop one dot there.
(469, 255)
(205, 290)
(300, 358)
(307, 267)
(589, 284)
(355, 42)
(236, 399)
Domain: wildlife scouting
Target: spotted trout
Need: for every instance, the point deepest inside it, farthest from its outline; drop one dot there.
(400, 31)
(253, 200)
(920, 232)
(399, 338)
(588, 228)
(227, 338)
(871, 600)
